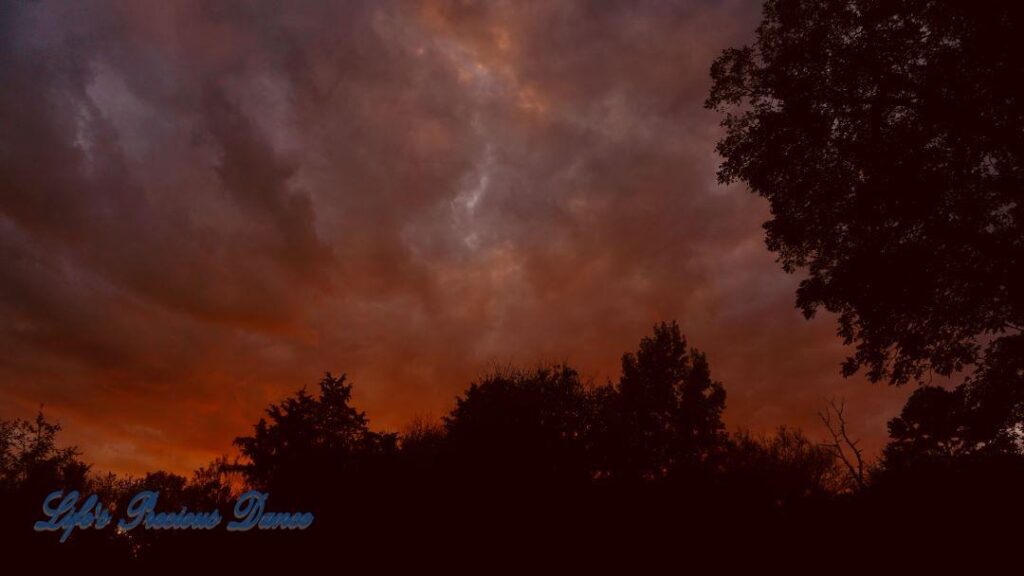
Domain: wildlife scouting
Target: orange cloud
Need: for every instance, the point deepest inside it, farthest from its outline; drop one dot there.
(203, 206)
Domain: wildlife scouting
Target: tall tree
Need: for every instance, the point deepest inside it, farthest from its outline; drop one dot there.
(307, 444)
(665, 413)
(888, 138)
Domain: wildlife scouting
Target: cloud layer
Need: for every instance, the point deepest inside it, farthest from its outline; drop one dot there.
(205, 205)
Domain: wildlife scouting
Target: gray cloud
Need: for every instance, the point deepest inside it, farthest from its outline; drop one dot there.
(204, 205)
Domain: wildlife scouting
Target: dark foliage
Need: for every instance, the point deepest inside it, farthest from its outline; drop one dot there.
(535, 463)
(313, 444)
(888, 138)
(665, 416)
(524, 428)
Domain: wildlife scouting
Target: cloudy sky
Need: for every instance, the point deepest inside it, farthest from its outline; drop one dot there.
(206, 205)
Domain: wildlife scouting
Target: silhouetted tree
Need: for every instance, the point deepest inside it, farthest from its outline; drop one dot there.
(845, 448)
(524, 426)
(29, 456)
(933, 424)
(950, 462)
(665, 413)
(32, 465)
(311, 444)
(939, 426)
(888, 138)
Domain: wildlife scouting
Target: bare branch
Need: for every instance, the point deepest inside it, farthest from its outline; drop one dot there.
(844, 447)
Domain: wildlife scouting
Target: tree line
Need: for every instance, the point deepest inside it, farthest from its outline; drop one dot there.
(533, 454)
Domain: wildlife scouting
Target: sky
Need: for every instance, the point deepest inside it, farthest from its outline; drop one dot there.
(204, 206)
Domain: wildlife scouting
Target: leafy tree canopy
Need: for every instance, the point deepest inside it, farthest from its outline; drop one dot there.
(307, 440)
(888, 138)
(666, 412)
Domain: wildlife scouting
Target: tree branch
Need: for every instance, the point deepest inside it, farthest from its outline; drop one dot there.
(844, 447)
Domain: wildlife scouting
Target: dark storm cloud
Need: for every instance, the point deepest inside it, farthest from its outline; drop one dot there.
(203, 205)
